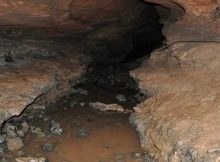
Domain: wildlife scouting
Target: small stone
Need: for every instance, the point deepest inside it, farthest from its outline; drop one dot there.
(11, 133)
(48, 147)
(30, 117)
(20, 133)
(136, 154)
(2, 138)
(41, 135)
(40, 116)
(46, 119)
(120, 156)
(9, 126)
(25, 127)
(127, 111)
(55, 128)
(106, 107)
(147, 158)
(32, 127)
(121, 98)
(74, 91)
(15, 144)
(82, 104)
(35, 130)
(20, 153)
(83, 133)
(117, 124)
(84, 92)
(31, 159)
(38, 132)
(107, 146)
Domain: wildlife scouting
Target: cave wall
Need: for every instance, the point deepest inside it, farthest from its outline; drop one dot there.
(179, 121)
(195, 19)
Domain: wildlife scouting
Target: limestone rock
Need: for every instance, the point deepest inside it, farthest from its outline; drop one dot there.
(22, 83)
(30, 159)
(180, 122)
(188, 20)
(15, 144)
(106, 107)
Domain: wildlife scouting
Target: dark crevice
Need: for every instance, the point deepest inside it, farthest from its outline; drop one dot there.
(147, 37)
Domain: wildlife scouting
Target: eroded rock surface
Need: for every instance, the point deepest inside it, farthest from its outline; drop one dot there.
(190, 19)
(180, 121)
(22, 83)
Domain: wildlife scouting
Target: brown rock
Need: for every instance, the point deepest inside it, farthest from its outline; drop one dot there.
(180, 121)
(190, 20)
(15, 144)
(22, 83)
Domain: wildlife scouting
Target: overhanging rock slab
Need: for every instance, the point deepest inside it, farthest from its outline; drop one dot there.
(180, 121)
(22, 83)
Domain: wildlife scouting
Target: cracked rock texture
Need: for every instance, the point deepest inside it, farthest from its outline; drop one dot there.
(180, 120)
(190, 19)
(93, 18)
(23, 83)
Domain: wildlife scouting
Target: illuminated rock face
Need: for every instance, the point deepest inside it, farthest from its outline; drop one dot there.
(199, 19)
(195, 7)
(79, 15)
(179, 122)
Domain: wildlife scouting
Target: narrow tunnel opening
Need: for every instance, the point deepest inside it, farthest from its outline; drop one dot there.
(91, 122)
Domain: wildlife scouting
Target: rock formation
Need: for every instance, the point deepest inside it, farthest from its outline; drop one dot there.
(45, 44)
(179, 122)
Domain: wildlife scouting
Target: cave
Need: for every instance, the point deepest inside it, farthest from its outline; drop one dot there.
(114, 80)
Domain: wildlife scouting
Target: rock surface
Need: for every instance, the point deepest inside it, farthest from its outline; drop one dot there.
(106, 107)
(22, 83)
(180, 121)
(15, 144)
(190, 20)
(76, 13)
(30, 159)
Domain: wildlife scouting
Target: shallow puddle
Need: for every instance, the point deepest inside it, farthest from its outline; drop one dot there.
(108, 137)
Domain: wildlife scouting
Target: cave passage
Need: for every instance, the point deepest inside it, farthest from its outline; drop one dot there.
(91, 123)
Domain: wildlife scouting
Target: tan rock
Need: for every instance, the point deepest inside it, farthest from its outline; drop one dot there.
(180, 122)
(30, 159)
(106, 107)
(190, 20)
(21, 84)
(14, 144)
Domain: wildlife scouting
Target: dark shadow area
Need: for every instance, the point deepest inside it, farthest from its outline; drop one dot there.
(147, 37)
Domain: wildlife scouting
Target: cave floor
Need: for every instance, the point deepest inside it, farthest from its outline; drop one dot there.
(84, 134)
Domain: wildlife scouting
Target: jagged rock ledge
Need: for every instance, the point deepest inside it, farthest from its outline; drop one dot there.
(23, 83)
(180, 121)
